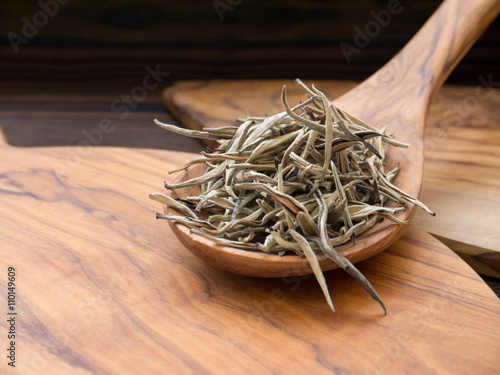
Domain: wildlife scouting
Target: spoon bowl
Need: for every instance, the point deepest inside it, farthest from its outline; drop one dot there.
(397, 97)
(257, 263)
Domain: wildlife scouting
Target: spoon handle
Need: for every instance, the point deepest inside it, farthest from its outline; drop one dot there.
(415, 74)
(442, 42)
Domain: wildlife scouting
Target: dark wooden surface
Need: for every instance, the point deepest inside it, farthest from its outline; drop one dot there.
(58, 118)
(63, 119)
(257, 39)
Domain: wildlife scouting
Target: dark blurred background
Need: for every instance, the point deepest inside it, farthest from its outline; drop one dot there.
(82, 42)
(66, 64)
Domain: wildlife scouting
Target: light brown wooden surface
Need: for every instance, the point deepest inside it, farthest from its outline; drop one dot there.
(103, 288)
(462, 174)
(461, 180)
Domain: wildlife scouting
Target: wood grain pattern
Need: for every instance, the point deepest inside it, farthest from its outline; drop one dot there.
(103, 288)
(462, 174)
(462, 160)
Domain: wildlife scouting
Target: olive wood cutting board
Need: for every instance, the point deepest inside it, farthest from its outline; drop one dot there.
(462, 151)
(104, 288)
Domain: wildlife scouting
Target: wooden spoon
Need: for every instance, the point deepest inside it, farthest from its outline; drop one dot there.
(397, 96)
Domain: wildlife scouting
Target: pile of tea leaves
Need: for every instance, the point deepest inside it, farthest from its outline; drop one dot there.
(303, 182)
